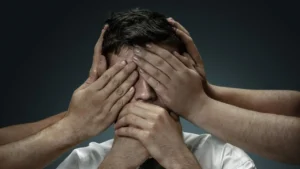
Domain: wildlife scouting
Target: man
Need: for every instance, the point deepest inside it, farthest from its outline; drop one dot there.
(265, 122)
(163, 144)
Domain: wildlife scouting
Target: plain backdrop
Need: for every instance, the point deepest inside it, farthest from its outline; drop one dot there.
(47, 47)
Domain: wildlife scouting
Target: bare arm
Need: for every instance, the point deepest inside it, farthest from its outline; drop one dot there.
(273, 136)
(236, 115)
(17, 132)
(114, 161)
(282, 102)
(42, 148)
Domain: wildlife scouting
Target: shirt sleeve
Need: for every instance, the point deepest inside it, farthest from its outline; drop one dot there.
(71, 162)
(88, 157)
(247, 165)
(235, 158)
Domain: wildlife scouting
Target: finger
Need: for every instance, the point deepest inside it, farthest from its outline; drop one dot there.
(107, 75)
(155, 84)
(183, 59)
(118, 79)
(151, 70)
(99, 61)
(153, 60)
(166, 55)
(138, 111)
(153, 109)
(190, 46)
(86, 84)
(121, 90)
(178, 25)
(98, 46)
(132, 132)
(133, 120)
(117, 107)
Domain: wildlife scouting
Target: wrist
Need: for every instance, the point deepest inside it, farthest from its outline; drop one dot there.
(72, 127)
(182, 160)
(114, 160)
(212, 91)
(201, 112)
(197, 106)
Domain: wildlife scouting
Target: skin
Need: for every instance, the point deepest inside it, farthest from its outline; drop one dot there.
(17, 132)
(170, 153)
(126, 157)
(261, 121)
(94, 106)
(159, 133)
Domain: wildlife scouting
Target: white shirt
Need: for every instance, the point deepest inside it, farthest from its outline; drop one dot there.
(210, 152)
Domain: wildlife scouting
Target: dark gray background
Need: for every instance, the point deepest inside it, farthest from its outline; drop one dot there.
(47, 49)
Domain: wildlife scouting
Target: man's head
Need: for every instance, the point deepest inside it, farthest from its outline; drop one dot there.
(138, 27)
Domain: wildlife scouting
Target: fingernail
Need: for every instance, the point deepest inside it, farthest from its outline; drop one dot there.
(123, 62)
(148, 46)
(137, 51)
(105, 26)
(131, 89)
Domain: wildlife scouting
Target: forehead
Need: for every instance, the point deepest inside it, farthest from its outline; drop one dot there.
(126, 53)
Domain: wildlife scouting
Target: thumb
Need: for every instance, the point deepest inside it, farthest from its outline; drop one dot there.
(101, 65)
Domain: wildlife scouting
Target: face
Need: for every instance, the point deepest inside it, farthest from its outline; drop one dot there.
(143, 92)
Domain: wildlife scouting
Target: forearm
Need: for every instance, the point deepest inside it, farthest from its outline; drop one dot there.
(17, 132)
(40, 149)
(282, 102)
(273, 136)
(126, 153)
(113, 161)
(184, 160)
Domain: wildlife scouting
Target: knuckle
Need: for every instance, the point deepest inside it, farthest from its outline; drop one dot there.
(147, 135)
(116, 82)
(88, 92)
(131, 117)
(93, 72)
(168, 56)
(120, 91)
(156, 84)
(170, 71)
(156, 117)
(130, 130)
(152, 125)
(106, 77)
(126, 70)
(156, 73)
(126, 119)
(121, 103)
(162, 113)
(160, 62)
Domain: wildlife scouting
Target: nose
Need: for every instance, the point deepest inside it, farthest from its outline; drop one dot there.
(143, 91)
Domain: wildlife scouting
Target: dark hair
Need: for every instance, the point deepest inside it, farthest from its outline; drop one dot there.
(138, 27)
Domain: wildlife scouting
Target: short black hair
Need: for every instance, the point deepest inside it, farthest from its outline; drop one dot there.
(138, 27)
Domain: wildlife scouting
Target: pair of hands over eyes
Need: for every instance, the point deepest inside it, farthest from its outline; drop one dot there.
(177, 80)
